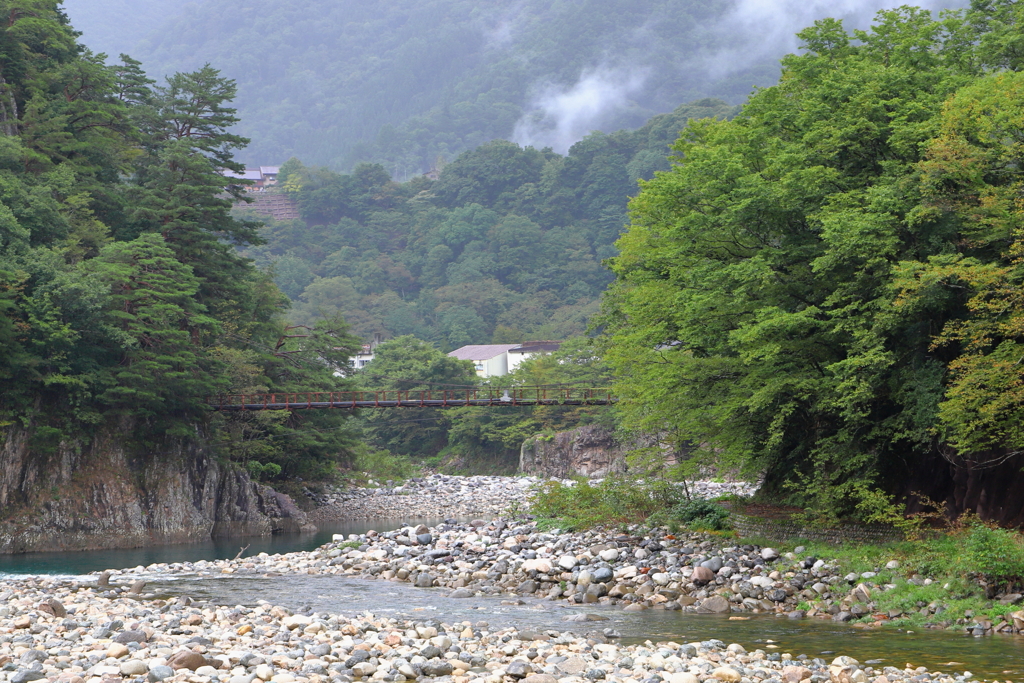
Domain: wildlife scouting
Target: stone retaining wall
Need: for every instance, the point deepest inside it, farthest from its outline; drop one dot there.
(783, 530)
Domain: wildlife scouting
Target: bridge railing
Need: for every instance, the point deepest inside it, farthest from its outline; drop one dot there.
(429, 398)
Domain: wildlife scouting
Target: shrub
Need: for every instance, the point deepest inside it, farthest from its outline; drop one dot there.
(383, 465)
(700, 515)
(615, 500)
(260, 472)
(996, 553)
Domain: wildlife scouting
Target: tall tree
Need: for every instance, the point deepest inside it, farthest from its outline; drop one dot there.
(752, 311)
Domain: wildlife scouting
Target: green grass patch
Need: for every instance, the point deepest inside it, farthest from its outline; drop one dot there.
(960, 564)
(380, 465)
(619, 501)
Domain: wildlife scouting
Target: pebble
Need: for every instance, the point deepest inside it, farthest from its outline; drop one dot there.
(203, 641)
(437, 495)
(109, 635)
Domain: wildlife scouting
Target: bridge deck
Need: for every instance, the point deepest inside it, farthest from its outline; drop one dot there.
(490, 398)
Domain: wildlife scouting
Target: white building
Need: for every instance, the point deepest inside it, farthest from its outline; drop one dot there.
(489, 360)
(497, 360)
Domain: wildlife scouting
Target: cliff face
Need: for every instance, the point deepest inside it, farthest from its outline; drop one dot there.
(589, 451)
(107, 494)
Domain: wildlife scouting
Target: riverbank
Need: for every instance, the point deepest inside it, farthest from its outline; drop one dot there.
(638, 569)
(441, 495)
(433, 496)
(70, 632)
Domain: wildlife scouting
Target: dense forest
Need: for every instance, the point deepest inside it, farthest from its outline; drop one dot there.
(123, 300)
(506, 244)
(822, 288)
(826, 288)
(403, 83)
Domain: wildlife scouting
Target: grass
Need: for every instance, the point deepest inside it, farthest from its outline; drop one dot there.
(957, 563)
(623, 501)
(380, 466)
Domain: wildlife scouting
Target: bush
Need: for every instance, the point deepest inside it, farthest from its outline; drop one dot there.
(615, 500)
(700, 515)
(996, 553)
(262, 472)
(382, 465)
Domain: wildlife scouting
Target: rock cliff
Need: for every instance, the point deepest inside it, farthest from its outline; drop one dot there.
(110, 493)
(589, 451)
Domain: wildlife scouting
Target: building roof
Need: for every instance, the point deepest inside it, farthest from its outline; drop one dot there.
(537, 347)
(481, 351)
(270, 170)
(248, 174)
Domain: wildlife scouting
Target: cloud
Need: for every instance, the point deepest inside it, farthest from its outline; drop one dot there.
(767, 28)
(762, 31)
(561, 116)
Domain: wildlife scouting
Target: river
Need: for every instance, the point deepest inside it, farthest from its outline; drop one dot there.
(992, 657)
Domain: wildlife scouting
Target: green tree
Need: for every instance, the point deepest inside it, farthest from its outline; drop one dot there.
(160, 327)
(410, 364)
(752, 310)
(179, 190)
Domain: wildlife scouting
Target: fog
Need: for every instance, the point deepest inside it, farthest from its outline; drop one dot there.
(558, 116)
(321, 79)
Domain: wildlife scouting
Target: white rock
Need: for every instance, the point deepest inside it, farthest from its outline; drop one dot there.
(567, 562)
(609, 555)
(769, 554)
(134, 667)
(682, 677)
(264, 672)
(541, 565)
(364, 669)
(627, 572)
(293, 622)
(661, 578)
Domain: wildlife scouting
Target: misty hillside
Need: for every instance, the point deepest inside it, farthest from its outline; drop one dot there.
(336, 82)
(402, 82)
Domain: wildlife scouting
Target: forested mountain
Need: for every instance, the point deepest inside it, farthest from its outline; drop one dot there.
(402, 82)
(827, 288)
(506, 244)
(123, 300)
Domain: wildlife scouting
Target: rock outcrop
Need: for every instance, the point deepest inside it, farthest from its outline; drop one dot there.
(589, 451)
(110, 492)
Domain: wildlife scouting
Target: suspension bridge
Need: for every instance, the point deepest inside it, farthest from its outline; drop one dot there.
(446, 398)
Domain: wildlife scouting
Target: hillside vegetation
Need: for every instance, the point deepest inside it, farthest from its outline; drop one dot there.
(507, 244)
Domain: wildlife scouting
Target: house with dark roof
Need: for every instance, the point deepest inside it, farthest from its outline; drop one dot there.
(262, 177)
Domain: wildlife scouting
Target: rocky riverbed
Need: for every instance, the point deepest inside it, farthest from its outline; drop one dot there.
(635, 569)
(68, 632)
(441, 495)
(434, 496)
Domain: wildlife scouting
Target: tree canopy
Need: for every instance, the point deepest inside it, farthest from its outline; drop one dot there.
(506, 244)
(823, 289)
(123, 298)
